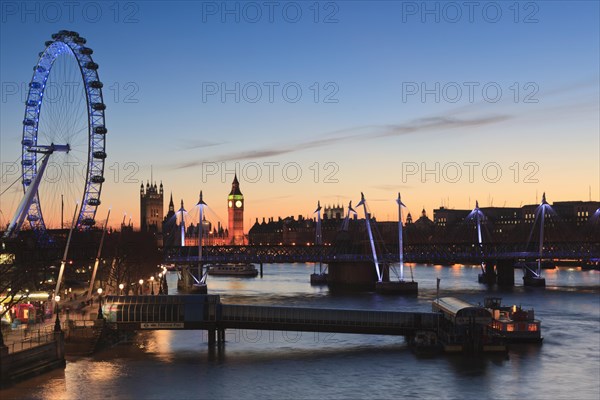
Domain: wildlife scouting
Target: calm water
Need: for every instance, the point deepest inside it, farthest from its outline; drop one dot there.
(253, 364)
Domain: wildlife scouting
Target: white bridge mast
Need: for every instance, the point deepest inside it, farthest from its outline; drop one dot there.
(363, 203)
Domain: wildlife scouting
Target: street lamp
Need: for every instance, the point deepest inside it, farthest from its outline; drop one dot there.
(100, 315)
(121, 286)
(160, 282)
(57, 320)
(152, 281)
(141, 282)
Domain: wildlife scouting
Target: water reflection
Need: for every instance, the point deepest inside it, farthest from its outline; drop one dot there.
(180, 364)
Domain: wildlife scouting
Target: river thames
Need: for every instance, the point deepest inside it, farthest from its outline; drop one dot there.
(294, 365)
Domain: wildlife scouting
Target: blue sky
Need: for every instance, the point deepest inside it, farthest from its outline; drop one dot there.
(363, 130)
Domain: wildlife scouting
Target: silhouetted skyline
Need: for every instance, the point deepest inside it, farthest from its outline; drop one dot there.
(372, 97)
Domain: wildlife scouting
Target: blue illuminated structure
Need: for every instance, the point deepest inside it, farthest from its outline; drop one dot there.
(72, 123)
(534, 277)
(347, 219)
(400, 237)
(363, 203)
(201, 275)
(182, 213)
(477, 214)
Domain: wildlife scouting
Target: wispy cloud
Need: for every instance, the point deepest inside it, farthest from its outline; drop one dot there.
(190, 144)
(439, 124)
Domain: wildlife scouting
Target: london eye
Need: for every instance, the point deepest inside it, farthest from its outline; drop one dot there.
(63, 142)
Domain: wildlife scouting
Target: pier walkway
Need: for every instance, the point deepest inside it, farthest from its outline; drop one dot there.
(206, 312)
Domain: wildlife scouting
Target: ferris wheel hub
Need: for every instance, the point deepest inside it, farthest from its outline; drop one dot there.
(65, 148)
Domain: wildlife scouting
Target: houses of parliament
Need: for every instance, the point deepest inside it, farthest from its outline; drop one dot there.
(168, 228)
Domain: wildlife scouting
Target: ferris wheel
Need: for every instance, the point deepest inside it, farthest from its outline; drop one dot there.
(63, 142)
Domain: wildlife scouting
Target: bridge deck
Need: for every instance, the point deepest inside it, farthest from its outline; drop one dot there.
(462, 252)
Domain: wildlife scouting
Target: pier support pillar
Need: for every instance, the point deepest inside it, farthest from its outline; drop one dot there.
(261, 270)
(211, 337)
(220, 337)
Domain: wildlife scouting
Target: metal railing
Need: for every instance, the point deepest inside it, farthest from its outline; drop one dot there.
(28, 341)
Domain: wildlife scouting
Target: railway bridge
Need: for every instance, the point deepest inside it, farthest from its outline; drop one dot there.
(442, 253)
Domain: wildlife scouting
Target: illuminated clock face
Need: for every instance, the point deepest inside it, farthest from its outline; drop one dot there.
(238, 204)
(230, 203)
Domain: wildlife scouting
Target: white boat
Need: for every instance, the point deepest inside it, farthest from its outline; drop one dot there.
(512, 322)
(232, 270)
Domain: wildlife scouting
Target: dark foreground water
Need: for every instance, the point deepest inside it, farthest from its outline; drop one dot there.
(264, 365)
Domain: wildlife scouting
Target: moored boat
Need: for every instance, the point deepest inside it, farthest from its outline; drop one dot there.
(233, 270)
(464, 327)
(318, 279)
(512, 322)
(593, 264)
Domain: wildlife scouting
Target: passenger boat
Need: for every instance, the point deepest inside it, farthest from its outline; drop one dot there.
(512, 322)
(318, 279)
(465, 327)
(233, 270)
(593, 264)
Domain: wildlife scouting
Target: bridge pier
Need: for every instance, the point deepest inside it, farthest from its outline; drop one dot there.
(386, 286)
(360, 276)
(505, 272)
(261, 270)
(186, 283)
(488, 275)
(216, 336)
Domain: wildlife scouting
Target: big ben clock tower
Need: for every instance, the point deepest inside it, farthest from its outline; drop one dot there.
(235, 207)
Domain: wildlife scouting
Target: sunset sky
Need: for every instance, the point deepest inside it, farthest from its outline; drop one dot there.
(320, 102)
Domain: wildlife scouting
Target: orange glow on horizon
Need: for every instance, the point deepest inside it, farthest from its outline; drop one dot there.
(265, 200)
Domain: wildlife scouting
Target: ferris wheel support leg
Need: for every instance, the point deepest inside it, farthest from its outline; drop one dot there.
(64, 259)
(25, 204)
(97, 262)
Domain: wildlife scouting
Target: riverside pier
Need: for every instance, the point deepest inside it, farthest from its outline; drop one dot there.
(206, 312)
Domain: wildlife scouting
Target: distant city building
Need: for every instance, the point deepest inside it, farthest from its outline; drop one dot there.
(333, 212)
(573, 220)
(151, 207)
(235, 206)
(512, 224)
(292, 231)
(568, 221)
(211, 235)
